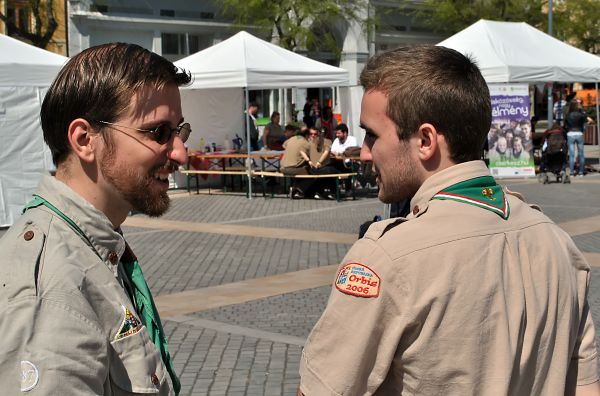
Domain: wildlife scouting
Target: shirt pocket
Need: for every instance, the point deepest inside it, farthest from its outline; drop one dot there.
(136, 366)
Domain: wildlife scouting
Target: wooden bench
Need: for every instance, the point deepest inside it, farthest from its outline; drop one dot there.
(338, 177)
(189, 173)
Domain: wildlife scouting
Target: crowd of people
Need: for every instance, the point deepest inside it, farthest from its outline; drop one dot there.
(310, 151)
(510, 141)
(474, 292)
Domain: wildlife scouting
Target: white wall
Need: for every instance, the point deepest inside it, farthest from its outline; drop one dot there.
(214, 114)
(24, 157)
(143, 38)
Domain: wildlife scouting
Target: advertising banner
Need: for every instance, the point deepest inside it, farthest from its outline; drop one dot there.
(509, 140)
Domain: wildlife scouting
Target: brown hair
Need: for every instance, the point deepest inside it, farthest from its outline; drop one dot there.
(436, 85)
(98, 84)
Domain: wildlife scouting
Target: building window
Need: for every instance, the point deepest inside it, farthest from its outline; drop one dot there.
(183, 44)
(170, 44)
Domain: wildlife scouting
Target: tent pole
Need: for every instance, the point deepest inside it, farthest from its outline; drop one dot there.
(597, 123)
(550, 105)
(248, 160)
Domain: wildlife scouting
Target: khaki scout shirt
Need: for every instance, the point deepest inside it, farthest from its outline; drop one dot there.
(468, 304)
(63, 309)
(292, 157)
(315, 155)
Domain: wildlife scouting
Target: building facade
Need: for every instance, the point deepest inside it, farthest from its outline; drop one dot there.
(23, 16)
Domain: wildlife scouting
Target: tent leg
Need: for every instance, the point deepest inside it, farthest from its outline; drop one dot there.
(248, 160)
(597, 123)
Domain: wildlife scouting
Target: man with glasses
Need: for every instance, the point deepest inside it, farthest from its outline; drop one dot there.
(76, 315)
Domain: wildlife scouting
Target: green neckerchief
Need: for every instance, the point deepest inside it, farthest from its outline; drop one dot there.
(141, 293)
(145, 303)
(482, 192)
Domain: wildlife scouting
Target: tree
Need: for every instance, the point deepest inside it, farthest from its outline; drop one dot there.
(297, 24)
(576, 22)
(451, 16)
(44, 27)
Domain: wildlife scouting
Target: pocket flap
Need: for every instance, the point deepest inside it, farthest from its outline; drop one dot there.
(137, 366)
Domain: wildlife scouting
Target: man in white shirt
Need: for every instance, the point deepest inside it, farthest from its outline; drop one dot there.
(342, 140)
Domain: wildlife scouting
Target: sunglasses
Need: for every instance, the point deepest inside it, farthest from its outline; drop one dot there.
(162, 133)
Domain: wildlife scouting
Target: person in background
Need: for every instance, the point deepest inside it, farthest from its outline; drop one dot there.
(251, 124)
(306, 110)
(295, 162)
(342, 141)
(273, 136)
(319, 160)
(328, 122)
(475, 292)
(76, 315)
(575, 124)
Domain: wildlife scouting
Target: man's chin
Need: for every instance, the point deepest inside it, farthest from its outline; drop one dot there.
(154, 205)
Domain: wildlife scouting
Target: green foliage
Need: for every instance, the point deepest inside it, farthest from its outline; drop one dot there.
(451, 16)
(299, 24)
(576, 21)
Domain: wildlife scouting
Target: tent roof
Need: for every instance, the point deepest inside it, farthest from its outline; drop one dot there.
(22, 64)
(247, 61)
(518, 52)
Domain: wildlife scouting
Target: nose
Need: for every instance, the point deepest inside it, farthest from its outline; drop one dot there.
(365, 153)
(178, 152)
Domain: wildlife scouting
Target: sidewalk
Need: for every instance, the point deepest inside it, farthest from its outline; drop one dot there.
(240, 283)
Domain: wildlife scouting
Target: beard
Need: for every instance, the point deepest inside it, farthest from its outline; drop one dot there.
(399, 181)
(134, 187)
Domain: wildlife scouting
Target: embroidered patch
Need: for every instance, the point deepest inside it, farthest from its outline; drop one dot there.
(29, 376)
(129, 326)
(358, 280)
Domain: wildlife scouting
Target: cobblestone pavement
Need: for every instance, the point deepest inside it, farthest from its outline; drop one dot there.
(253, 346)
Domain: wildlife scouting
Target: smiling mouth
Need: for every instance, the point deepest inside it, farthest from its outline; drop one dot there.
(162, 173)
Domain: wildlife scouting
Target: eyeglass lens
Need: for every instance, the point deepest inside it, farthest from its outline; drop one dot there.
(163, 132)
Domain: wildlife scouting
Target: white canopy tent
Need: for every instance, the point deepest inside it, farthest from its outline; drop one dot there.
(214, 103)
(26, 72)
(517, 52)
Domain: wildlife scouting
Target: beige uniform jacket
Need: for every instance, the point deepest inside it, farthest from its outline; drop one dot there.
(292, 157)
(466, 303)
(315, 155)
(67, 325)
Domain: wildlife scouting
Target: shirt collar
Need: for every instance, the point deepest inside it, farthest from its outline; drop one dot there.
(442, 180)
(108, 242)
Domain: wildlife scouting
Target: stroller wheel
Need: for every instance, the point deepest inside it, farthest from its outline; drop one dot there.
(540, 177)
(565, 177)
(546, 178)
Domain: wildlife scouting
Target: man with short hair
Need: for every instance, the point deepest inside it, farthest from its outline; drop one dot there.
(76, 315)
(474, 292)
(342, 140)
(251, 124)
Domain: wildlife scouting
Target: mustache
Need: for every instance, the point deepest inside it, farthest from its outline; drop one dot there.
(170, 165)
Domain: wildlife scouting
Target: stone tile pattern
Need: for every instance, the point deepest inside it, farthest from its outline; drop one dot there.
(292, 314)
(175, 261)
(213, 363)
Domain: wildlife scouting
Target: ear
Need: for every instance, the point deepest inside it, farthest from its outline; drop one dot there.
(428, 141)
(82, 139)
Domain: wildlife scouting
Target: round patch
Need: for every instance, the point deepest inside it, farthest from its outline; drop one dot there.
(29, 376)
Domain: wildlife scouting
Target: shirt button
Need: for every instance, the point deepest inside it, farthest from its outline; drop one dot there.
(415, 210)
(113, 257)
(28, 236)
(155, 380)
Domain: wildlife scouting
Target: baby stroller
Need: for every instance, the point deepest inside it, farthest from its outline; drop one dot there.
(554, 158)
